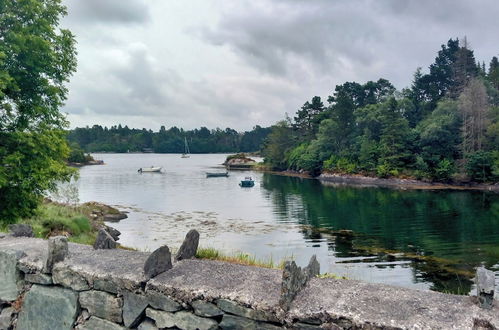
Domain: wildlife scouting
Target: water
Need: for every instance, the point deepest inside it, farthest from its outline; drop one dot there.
(284, 217)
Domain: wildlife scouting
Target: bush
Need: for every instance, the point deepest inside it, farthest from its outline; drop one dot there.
(383, 170)
(444, 170)
(481, 166)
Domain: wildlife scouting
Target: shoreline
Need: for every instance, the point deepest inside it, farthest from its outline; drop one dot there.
(393, 183)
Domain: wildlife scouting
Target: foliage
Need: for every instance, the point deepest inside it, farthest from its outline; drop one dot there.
(427, 130)
(482, 166)
(123, 139)
(36, 60)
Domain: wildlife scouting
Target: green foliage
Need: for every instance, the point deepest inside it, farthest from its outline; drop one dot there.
(36, 60)
(203, 140)
(279, 142)
(444, 170)
(483, 166)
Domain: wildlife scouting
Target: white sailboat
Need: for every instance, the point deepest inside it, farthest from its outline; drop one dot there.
(186, 153)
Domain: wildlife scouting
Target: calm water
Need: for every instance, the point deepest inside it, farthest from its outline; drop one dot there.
(283, 217)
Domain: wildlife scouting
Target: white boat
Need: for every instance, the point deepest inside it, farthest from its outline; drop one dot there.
(149, 169)
(186, 153)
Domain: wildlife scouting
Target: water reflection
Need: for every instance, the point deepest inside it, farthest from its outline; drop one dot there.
(443, 235)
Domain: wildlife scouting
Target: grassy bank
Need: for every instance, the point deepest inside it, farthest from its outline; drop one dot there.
(238, 258)
(79, 223)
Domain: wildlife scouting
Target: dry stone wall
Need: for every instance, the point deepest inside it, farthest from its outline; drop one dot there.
(108, 289)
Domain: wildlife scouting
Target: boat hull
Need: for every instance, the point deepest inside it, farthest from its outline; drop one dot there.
(216, 175)
(149, 169)
(247, 184)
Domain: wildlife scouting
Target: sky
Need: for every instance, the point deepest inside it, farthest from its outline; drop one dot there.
(241, 63)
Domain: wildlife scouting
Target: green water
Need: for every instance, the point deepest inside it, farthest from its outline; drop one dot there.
(461, 227)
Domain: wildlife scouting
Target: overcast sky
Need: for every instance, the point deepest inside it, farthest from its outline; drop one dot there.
(219, 63)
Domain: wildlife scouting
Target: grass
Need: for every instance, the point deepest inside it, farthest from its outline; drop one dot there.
(52, 219)
(238, 258)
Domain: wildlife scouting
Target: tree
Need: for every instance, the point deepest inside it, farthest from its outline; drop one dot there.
(36, 60)
(474, 109)
(308, 117)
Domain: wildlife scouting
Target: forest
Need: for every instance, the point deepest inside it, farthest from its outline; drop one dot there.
(172, 140)
(443, 127)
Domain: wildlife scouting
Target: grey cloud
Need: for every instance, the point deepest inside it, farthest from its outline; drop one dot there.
(109, 11)
(359, 39)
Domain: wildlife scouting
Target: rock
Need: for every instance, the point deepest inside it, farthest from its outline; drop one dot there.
(6, 318)
(104, 240)
(306, 326)
(187, 320)
(134, 306)
(106, 285)
(21, 230)
(485, 285)
(147, 324)
(294, 280)
(57, 251)
(206, 309)
(10, 276)
(162, 319)
(160, 301)
(3, 235)
(38, 278)
(313, 269)
(48, 308)
(84, 315)
(158, 262)
(230, 322)
(115, 233)
(66, 277)
(102, 304)
(189, 247)
(236, 309)
(115, 217)
(95, 323)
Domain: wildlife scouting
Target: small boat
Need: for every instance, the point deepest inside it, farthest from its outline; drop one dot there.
(217, 174)
(149, 169)
(247, 182)
(186, 153)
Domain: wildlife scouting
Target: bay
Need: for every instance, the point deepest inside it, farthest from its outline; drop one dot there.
(419, 239)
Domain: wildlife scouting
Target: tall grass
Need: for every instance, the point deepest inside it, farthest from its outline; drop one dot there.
(238, 258)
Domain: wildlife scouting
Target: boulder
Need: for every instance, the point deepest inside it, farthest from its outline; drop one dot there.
(187, 320)
(115, 217)
(294, 279)
(134, 306)
(485, 285)
(162, 319)
(104, 240)
(21, 230)
(206, 309)
(47, 307)
(57, 251)
(102, 304)
(189, 247)
(147, 324)
(158, 262)
(6, 317)
(160, 301)
(94, 323)
(38, 278)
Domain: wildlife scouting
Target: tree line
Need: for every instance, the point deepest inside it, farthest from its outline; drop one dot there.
(123, 139)
(444, 127)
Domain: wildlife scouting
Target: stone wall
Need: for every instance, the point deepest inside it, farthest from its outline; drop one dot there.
(107, 289)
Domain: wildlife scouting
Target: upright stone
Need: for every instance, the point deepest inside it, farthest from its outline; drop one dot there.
(21, 230)
(115, 233)
(485, 285)
(57, 251)
(189, 247)
(10, 276)
(158, 262)
(134, 306)
(102, 304)
(313, 269)
(104, 240)
(48, 308)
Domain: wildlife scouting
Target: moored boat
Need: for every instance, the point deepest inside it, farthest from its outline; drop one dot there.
(247, 182)
(217, 174)
(149, 169)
